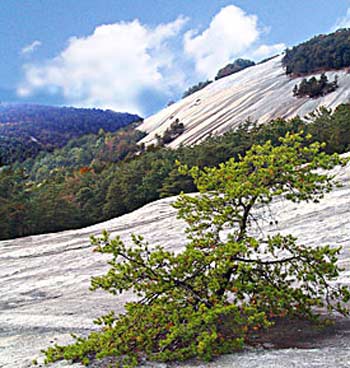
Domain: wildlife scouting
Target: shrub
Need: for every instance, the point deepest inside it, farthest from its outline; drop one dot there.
(175, 130)
(235, 67)
(314, 87)
(207, 299)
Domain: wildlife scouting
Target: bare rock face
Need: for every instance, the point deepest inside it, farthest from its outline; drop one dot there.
(262, 92)
(44, 279)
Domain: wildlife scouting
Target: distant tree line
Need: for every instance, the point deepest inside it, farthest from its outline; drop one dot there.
(25, 130)
(196, 87)
(322, 52)
(93, 151)
(98, 177)
(314, 87)
(236, 66)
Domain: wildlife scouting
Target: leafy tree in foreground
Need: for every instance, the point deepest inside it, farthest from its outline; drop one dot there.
(230, 279)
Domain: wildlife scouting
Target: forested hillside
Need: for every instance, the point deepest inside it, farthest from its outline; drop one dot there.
(60, 177)
(322, 52)
(90, 151)
(98, 177)
(27, 129)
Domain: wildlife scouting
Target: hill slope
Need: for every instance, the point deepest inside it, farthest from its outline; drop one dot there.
(44, 279)
(262, 92)
(27, 129)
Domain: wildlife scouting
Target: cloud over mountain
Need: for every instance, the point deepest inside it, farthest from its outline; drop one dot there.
(111, 67)
(124, 65)
(342, 22)
(230, 32)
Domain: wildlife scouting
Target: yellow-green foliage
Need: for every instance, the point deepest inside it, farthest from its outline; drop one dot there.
(207, 299)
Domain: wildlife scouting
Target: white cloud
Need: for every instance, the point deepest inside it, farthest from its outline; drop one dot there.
(343, 22)
(265, 51)
(232, 33)
(26, 50)
(111, 67)
(128, 66)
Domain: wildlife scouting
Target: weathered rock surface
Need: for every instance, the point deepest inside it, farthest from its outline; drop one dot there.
(262, 92)
(44, 280)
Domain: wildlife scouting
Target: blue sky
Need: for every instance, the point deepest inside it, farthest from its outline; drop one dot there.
(135, 55)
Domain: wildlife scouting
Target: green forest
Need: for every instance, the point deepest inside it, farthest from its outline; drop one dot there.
(323, 52)
(65, 168)
(26, 130)
(100, 176)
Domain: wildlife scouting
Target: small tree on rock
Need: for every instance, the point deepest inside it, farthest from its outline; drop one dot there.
(229, 280)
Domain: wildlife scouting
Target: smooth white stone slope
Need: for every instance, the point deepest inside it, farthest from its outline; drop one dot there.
(44, 279)
(262, 92)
